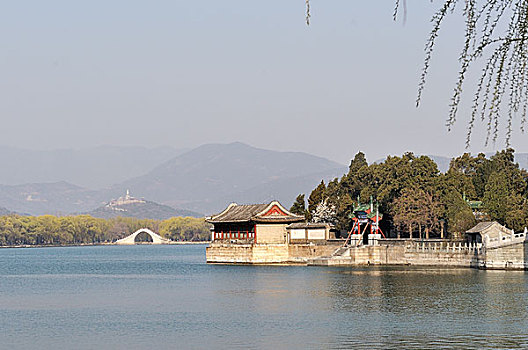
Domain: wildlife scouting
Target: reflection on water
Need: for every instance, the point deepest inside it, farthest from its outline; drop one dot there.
(145, 297)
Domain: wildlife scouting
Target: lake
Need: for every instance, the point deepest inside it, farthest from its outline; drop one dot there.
(166, 297)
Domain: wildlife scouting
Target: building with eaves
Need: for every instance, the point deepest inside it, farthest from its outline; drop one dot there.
(253, 223)
(262, 234)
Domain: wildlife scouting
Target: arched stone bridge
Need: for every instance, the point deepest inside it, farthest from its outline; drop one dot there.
(156, 239)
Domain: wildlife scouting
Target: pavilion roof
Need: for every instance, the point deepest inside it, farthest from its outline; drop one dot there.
(481, 226)
(490, 228)
(272, 212)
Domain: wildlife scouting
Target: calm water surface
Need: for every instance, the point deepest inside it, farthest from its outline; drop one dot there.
(166, 297)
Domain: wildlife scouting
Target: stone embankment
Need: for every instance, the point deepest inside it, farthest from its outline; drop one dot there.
(405, 252)
(509, 253)
(266, 253)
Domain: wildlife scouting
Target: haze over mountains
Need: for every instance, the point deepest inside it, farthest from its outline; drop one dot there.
(209, 177)
(4, 211)
(93, 168)
(58, 198)
(202, 181)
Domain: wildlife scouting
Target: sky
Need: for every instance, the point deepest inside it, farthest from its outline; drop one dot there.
(79, 74)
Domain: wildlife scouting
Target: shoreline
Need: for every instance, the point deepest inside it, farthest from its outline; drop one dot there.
(96, 244)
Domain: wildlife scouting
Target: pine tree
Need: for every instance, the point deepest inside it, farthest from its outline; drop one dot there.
(505, 191)
(317, 196)
(458, 215)
(357, 163)
(299, 206)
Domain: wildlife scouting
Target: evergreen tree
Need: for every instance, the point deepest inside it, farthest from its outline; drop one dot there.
(299, 206)
(357, 163)
(317, 196)
(457, 215)
(340, 200)
(503, 203)
(505, 191)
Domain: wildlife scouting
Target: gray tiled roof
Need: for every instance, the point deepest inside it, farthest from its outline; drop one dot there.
(310, 225)
(249, 212)
(239, 213)
(481, 226)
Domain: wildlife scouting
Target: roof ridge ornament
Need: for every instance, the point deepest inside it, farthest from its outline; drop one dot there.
(255, 212)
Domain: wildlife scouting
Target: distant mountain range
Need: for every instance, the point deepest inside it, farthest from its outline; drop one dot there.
(209, 177)
(93, 168)
(200, 181)
(56, 198)
(203, 180)
(4, 211)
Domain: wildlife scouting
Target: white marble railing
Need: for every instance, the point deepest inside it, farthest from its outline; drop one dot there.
(505, 239)
(444, 247)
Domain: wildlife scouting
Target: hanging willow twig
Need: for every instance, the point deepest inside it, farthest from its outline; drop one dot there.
(503, 83)
(308, 12)
(400, 3)
(496, 33)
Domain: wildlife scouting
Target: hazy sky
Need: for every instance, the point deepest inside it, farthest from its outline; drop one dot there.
(184, 73)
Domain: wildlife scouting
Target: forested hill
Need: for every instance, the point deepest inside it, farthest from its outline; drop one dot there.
(144, 210)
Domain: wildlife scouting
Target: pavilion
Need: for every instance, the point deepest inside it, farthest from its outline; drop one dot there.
(253, 223)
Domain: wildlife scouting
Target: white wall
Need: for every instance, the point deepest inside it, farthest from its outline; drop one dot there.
(316, 233)
(298, 233)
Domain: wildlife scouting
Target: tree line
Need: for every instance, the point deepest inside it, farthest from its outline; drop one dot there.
(416, 200)
(85, 229)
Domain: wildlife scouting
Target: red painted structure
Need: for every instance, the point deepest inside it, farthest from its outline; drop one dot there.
(238, 223)
(365, 221)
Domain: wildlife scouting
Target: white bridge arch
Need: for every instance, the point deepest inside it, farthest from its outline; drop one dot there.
(131, 239)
